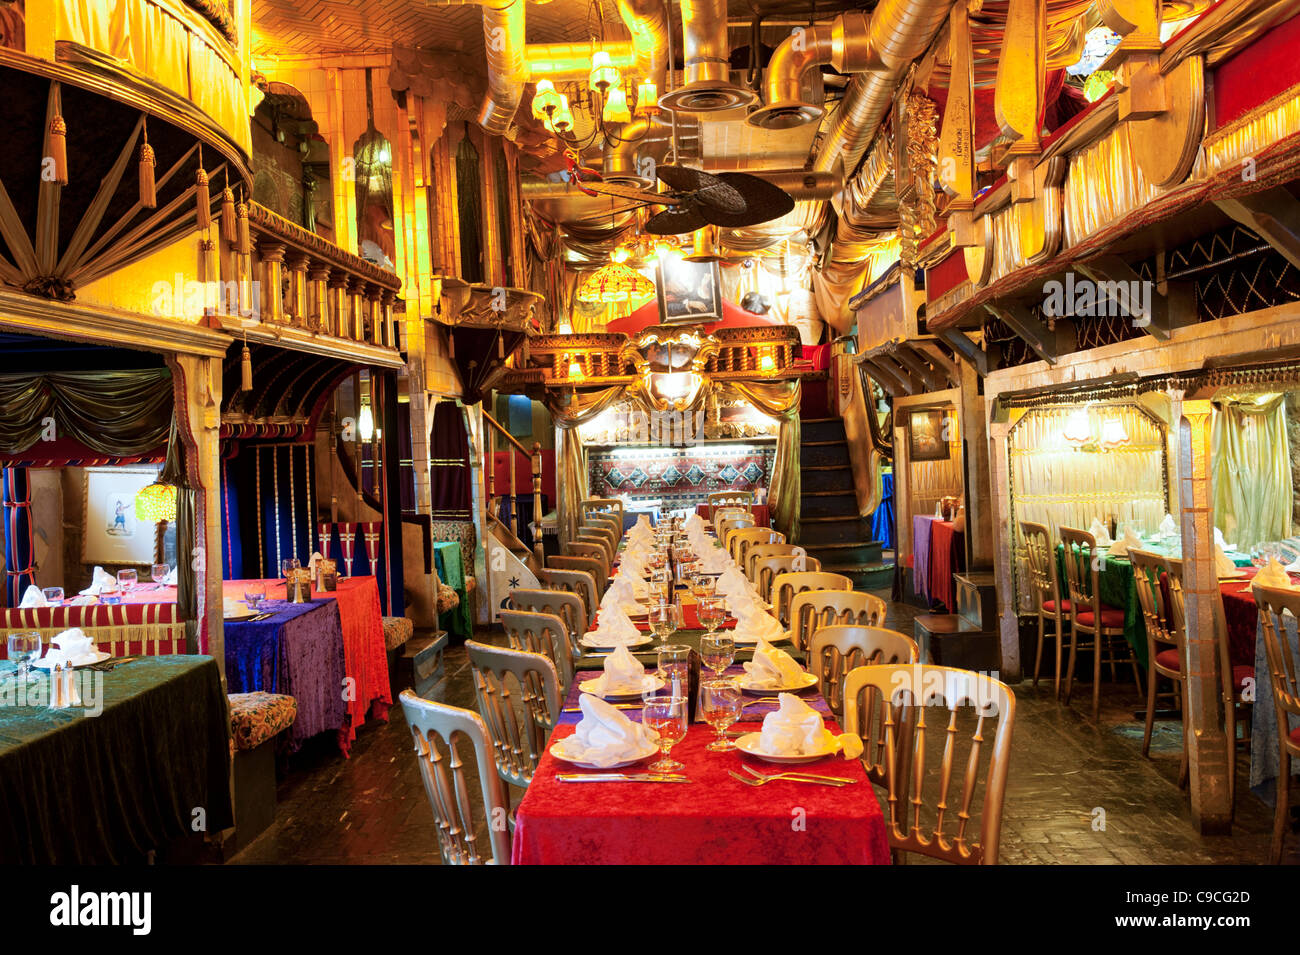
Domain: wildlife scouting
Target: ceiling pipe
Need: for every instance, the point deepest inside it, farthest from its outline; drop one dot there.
(647, 21)
(503, 39)
(799, 183)
(842, 43)
(620, 154)
(707, 58)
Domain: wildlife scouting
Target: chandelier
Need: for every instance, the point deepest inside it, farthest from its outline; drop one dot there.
(614, 282)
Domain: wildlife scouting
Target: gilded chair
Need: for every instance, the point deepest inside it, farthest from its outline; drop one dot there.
(789, 583)
(757, 552)
(589, 535)
(740, 540)
(922, 817)
(593, 550)
(564, 604)
(729, 524)
(814, 609)
(592, 567)
(730, 514)
(1166, 645)
(767, 569)
(1094, 626)
(1285, 682)
(1045, 588)
(542, 633)
(743, 499)
(603, 505)
(577, 582)
(441, 732)
(837, 649)
(518, 697)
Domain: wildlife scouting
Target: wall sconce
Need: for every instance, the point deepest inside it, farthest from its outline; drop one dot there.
(1077, 429)
(1113, 434)
(366, 423)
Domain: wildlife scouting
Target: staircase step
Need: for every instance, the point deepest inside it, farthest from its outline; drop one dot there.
(836, 478)
(877, 576)
(833, 503)
(817, 530)
(824, 454)
(847, 553)
(821, 429)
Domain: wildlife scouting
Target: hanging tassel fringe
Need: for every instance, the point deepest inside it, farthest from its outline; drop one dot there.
(204, 198)
(148, 164)
(229, 223)
(56, 148)
(246, 369)
(245, 242)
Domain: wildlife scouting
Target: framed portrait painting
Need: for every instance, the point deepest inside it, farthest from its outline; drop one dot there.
(688, 292)
(110, 532)
(927, 435)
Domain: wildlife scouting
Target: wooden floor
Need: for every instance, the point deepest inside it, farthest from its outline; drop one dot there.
(372, 808)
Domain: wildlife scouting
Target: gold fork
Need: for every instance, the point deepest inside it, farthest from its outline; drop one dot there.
(792, 779)
(794, 772)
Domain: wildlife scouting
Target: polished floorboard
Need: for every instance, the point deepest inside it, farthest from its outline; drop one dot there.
(372, 808)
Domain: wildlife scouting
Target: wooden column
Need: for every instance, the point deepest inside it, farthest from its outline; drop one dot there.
(318, 310)
(536, 458)
(977, 488)
(1004, 549)
(1207, 744)
(356, 325)
(272, 277)
(389, 336)
(297, 307)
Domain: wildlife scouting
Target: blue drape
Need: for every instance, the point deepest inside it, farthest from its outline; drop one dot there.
(882, 521)
(275, 477)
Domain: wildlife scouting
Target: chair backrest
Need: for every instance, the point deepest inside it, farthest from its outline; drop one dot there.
(593, 549)
(520, 712)
(1082, 572)
(564, 604)
(758, 551)
(767, 569)
(605, 519)
(729, 524)
(740, 540)
(1163, 630)
(590, 565)
(920, 819)
(1282, 674)
(731, 499)
(542, 633)
(837, 649)
(814, 609)
(1040, 560)
(439, 731)
(603, 505)
(602, 531)
(577, 582)
(785, 585)
(721, 514)
(589, 535)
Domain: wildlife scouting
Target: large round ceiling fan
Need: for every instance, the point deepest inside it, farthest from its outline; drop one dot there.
(695, 199)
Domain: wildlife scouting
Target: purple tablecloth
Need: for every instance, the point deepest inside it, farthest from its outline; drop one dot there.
(299, 651)
(922, 530)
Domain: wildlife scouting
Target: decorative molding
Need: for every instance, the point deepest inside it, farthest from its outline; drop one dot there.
(215, 12)
(309, 242)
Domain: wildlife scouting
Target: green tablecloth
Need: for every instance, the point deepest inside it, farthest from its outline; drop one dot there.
(106, 789)
(447, 561)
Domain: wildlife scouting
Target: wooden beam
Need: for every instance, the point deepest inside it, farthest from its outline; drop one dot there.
(1274, 214)
(887, 377)
(939, 358)
(911, 383)
(966, 349)
(932, 379)
(1034, 332)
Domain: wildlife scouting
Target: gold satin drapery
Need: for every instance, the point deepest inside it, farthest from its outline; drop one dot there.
(571, 456)
(1252, 470)
(779, 399)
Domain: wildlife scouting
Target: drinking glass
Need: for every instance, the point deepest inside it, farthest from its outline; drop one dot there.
(288, 564)
(53, 596)
(159, 573)
(126, 580)
(721, 704)
(664, 620)
(254, 594)
(718, 651)
(23, 648)
(707, 586)
(674, 660)
(712, 612)
(666, 715)
(662, 580)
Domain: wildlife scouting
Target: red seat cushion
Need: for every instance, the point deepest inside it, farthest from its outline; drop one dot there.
(1169, 659)
(1295, 735)
(1049, 606)
(1240, 674)
(1110, 617)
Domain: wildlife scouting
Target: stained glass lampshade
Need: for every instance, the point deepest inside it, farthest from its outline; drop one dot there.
(615, 283)
(156, 503)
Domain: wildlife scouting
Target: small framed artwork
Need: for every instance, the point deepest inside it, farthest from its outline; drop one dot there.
(927, 435)
(688, 292)
(110, 532)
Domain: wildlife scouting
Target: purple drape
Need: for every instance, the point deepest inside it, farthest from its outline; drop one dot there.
(19, 543)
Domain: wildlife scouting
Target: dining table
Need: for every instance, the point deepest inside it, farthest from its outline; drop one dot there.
(938, 552)
(143, 762)
(762, 514)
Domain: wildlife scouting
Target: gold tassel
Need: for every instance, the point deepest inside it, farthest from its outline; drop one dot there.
(204, 199)
(246, 369)
(56, 148)
(228, 221)
(148, 163)
(245, 242)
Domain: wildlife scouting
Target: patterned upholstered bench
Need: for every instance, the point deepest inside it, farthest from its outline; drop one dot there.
(256, 719)
(397, 630)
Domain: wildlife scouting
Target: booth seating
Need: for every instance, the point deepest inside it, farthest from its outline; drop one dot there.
(256, 720)
(969, 638)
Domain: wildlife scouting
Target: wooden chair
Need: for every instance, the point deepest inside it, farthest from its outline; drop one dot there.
(729, 524)
(743, 499)
(786, 585)
(593, 550)
(739, 542)
(577, 582)
(542, 633)
(1166, 644)
(730, 514)
(920, 819)
(589, 535)
(606, 520)
(589, 565)
(836, 650)
(757, 552)
(814, 609)
(603, 505)
(767, 569)
(1285, 682)
(603, 531)
(1045, 587)
(439, 732)
(518, 730)
(1089, 617)
(564, 604)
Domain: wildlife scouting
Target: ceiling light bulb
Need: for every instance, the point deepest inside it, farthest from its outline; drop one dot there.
(616, 106)
(604, 74)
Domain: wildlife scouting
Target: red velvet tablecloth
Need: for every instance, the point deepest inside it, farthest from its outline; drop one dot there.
(143, 609)
(1242, 617)
(712, 820)
(947, 556)
(762, 517)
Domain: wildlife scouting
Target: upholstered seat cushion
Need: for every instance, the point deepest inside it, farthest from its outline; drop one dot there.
(256, 717)
(1169, 659)
(1049, 606)
(448, 599)
(1240, 674)
(1110, 617)
(397, 630)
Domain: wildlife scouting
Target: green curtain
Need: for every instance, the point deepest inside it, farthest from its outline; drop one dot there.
(117, 413)
(173, 472)
(780, 399)
(1252, 470)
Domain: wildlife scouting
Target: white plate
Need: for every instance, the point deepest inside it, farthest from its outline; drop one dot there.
(557, 750)
(650, 683)
(809, 679)
(748, 744)
(100, 657)
(753, 642)
(640, 641)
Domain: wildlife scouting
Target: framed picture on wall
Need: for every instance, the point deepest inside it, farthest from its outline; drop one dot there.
(110, 532)
(688, 292)
(927, 435)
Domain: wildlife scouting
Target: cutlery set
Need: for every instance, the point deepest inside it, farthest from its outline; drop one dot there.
(105, 666)
(761, 779)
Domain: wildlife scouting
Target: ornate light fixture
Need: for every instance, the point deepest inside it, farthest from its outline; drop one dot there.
(647, 99)
(1113, 434)
(561, 121)
(614, 283)
(604, 74)
(156, 503)
(616, 106)
(670, 363)
(545, 101)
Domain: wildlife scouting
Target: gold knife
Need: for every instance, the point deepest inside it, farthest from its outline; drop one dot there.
(619, 778)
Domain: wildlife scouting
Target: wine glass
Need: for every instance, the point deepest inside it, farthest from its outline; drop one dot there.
(288, 564)
(53, 596)
(706, 586)
(674, 661)
(712, 612)
(666, 715)
(159, 573)
(254, 594)
(662, 580)
(126, 580)
(718, 651)
(721, 704)
(23, 648)
(664, 620)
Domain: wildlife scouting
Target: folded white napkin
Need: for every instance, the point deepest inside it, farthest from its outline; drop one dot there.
(756, 625)
(771, 668)
(623, 674)
(1223, 565)
(796, 729)
(621, 596)
(614, 628)
(170, 579)
(1169, 526)
(714, 560)
(71, 647)
(1272, 574)
(33, 596)
(1218, 539)
(605, 736)
(316, 558)
(1130, 541)
(733, 583)
(101, 583)
(1099, 532)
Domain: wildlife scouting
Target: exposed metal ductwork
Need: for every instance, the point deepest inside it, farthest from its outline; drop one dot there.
(620, 155)
(707, 57)
(503, 38)
(647, 21)
(841, 44)
(799, 183)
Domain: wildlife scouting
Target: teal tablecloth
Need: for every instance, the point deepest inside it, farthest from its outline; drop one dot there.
(458, 623)
(108, 788)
